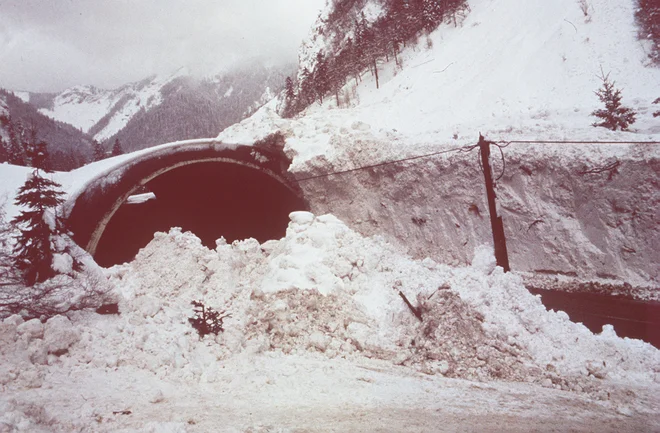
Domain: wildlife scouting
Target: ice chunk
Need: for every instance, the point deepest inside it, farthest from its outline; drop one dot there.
(60, 334)
(32, 328)
(484, 259)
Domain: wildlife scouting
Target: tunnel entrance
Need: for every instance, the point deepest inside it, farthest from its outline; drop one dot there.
(210, 199)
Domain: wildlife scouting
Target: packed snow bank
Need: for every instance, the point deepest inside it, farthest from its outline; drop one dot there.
(563, 214)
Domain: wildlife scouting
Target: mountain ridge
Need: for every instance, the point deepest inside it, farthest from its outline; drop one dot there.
(162, 108)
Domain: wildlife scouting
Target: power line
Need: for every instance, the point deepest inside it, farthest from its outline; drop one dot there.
(499, 144)
(396, 161)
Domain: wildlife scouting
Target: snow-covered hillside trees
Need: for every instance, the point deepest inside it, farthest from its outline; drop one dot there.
(358, 43)
(21, 124)
(648, 17)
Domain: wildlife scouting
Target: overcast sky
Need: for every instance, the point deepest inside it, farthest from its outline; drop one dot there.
(49, 45)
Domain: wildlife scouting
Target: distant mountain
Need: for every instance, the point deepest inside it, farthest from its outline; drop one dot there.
(163, 108)
(69, 147)
(98, 112)
(196, 108)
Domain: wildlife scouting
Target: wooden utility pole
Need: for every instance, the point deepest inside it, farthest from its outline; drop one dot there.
(497, 226)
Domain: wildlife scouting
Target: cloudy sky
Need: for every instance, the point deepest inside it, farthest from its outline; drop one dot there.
(49, 45)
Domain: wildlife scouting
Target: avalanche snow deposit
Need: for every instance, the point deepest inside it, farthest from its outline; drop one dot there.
(322, 292)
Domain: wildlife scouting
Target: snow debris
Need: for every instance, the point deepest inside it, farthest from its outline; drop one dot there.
(60, 334)
(62, 263)
(321, 292)
(31, 329)
(325, 289)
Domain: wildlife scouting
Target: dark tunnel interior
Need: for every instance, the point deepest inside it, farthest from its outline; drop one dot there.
(210, 199)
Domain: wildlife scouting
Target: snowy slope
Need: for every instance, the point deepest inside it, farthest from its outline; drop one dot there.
(85, 106)
(531, 74)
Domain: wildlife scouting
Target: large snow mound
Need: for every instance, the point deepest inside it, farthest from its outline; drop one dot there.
(324, 290)
(321, 293)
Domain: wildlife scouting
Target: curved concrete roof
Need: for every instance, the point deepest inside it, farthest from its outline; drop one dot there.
(90, 209)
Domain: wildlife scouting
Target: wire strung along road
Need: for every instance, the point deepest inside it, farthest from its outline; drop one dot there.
(630, 318)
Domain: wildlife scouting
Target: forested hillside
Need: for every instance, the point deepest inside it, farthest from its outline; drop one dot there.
(21, 124)
(648, 18)
(359, 35)
(197, 108)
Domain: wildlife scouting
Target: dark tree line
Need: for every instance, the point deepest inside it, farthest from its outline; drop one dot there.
(648, 18)
(23, 126)
(21, 144)
(371, 43)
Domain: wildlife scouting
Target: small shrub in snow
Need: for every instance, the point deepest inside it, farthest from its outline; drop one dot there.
(614, 116)
(656, 113)
(206, 320)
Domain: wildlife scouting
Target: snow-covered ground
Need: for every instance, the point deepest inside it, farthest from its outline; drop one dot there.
(531, 75)
(319, 338)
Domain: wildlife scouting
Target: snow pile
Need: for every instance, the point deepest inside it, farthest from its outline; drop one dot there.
(561, 347)
(322, 291)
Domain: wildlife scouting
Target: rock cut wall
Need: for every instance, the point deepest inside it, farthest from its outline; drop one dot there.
(563, 214)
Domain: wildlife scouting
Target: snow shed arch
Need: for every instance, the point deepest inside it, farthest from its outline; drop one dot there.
(91, 210)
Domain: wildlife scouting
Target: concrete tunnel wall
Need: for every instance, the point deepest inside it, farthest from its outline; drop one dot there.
(90, 211)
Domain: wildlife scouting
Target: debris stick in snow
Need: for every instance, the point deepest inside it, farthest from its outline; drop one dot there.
(413, 309)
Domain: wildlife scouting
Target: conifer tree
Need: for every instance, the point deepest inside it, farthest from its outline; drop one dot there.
(4, 152)
(321, 83)
(306, 87)
(16, 151)
(6, 263)
(98, 151)
(614, 116)
(432, 14)
(36, 152)
(34, 249)
(117, 149)
(289, 90)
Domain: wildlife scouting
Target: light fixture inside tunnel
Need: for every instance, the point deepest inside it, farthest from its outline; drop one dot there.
(210, 199)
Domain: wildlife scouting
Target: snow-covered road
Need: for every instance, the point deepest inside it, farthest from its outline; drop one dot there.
(276, 393)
